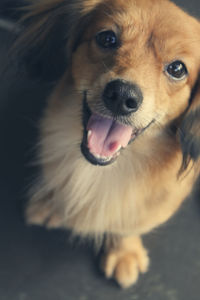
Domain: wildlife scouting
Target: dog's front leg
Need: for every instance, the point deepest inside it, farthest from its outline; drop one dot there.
(124, 259)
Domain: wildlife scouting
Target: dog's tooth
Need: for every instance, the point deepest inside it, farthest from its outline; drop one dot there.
(107, 158)
(118, 148)
(104, 157)
(89, 133)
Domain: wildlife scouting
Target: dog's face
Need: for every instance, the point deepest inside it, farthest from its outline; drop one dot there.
(133, 64)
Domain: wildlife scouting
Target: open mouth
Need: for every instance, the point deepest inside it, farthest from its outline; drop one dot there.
(104, 138)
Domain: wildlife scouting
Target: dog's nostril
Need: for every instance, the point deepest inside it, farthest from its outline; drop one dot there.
(131, 103)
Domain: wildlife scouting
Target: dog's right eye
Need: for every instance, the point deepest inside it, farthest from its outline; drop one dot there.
(107, 40)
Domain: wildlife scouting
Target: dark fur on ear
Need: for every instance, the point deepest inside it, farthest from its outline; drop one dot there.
(47, 27)
(40, 45)
(189, 130)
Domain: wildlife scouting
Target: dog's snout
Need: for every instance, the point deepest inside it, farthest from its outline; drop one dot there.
(122, 97)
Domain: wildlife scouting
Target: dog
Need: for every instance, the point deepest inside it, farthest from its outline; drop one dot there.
(119, 141)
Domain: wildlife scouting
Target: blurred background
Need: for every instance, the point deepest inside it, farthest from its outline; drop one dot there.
(36, 264)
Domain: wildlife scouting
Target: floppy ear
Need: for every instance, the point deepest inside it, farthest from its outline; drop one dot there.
(190, 129)
(40, 45)
(47, 26)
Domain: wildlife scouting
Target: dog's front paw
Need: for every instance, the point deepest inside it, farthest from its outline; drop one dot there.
(125, 264)
(43, 213)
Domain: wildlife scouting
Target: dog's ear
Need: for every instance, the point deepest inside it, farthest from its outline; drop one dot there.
(41, 42)
(189, 131)
(47, 25)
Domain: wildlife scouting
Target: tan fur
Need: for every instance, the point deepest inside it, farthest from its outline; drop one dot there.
(141, 189)
(125, 260)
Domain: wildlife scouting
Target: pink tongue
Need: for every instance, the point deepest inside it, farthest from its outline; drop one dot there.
(107, 136)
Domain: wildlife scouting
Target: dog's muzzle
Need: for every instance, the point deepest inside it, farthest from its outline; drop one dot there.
(105, 136)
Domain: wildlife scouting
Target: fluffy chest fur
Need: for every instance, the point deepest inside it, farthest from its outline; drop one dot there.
(132, 195)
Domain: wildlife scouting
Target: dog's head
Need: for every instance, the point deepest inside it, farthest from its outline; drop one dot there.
(134, 65)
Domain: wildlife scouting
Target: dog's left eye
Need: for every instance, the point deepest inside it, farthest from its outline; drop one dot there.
(107, 39)
(177, 70)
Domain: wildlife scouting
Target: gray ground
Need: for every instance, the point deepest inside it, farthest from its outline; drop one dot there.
(36, 264)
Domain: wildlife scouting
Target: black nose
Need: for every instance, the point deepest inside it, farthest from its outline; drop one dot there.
(122, 97)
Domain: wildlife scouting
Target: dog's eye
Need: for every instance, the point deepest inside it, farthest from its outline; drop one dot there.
(177, 70)
(107, 39)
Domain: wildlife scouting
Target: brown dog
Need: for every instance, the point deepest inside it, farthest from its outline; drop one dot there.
(120, 137)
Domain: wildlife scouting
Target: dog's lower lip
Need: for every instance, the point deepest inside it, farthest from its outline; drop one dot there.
(95, 160)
